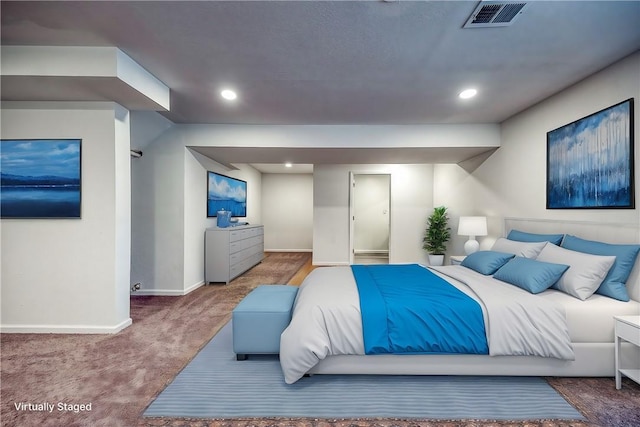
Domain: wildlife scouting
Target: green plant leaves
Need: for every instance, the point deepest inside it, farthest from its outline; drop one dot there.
(438, 232)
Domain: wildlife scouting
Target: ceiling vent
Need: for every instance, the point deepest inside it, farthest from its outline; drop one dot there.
(495, 14)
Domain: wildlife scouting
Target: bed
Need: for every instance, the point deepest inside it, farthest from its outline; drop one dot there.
(325, 334)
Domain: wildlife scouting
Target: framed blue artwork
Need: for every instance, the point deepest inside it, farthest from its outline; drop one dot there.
(590, 161)
(226, 193)
(40, 178)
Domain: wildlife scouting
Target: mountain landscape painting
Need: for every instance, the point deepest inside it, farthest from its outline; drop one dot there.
(40, 178)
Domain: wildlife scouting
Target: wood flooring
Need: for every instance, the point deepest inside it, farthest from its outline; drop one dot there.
(297, 278)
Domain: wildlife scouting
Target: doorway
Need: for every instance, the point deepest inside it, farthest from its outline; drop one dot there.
(370, 213)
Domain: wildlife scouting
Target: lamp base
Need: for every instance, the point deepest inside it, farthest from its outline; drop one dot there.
(471, 246)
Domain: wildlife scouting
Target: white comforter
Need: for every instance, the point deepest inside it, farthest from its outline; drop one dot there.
(327, 321)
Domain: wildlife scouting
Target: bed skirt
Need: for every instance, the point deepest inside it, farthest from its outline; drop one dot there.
(592, 360)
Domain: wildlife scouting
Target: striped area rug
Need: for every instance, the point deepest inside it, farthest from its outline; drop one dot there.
(215, 385)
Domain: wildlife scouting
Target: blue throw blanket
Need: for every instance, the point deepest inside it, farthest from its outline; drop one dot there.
(408, 309)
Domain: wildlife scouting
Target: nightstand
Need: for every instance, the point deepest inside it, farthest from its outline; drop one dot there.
(456, 259)
(627, 328)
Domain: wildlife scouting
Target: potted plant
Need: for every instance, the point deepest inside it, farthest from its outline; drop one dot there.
(437, 234)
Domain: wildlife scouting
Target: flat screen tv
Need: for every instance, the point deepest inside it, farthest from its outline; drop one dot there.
(224, 192)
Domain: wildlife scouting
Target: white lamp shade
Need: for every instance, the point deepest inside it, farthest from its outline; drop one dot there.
(472, 226)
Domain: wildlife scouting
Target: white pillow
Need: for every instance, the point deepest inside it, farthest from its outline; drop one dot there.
(523, 249)
(585, 272)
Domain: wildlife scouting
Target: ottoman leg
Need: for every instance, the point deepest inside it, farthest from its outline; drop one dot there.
(241, 357)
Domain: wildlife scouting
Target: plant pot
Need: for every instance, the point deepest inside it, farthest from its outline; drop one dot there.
(436, 259)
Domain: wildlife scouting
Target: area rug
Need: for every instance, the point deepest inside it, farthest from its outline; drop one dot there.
(215, 385)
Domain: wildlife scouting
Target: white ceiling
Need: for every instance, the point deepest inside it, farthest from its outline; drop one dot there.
(333, 62)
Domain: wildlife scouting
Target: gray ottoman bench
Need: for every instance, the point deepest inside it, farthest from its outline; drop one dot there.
(259, 319)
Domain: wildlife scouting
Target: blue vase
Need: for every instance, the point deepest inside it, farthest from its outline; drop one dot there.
(224, 218)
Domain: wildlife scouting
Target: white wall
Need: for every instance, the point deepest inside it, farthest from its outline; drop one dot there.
(195, 218)
(146, 126)
(195, 209)
(169, 211)
(344, 136)
(330, 238)
(287, 212)
(119, 75)
(167, 248)
(512, 181)
(411, 203)
(122, 211)
(72, 275)
(157, 219)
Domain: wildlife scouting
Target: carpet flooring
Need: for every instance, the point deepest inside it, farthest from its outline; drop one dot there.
(121, 374)
(216, 385)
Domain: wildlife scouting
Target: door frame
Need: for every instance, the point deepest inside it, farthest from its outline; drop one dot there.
(352, 184)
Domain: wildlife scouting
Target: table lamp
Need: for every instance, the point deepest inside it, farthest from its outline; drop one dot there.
(472, 226)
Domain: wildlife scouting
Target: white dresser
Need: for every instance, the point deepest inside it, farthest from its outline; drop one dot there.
(229, 252)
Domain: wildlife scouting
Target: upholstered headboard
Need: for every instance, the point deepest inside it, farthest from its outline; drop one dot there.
(623, 233)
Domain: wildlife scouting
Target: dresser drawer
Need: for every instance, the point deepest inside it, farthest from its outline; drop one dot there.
(256, 258)
(245, 233)
(244, 265)
(258, 248)
(235, 235)
(238, 257)
(235, 246)
(237, 269)
(241, 245)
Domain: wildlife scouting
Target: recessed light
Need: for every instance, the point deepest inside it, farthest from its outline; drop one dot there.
(228, 94)
(288, 165)
(468, 93)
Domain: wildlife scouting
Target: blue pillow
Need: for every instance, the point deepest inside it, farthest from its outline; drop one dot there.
(486, 262)
(614, 283)
(522, 236)
(529, 274)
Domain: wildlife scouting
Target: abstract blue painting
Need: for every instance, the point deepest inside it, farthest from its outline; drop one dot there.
(590, 161)
(40, 178)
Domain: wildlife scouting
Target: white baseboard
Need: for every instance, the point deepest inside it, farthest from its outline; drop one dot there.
(330, 264)
(168, 292)
(288, 250)
(370, 251)
(64, 329)
(194, 287)
(158, 292)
